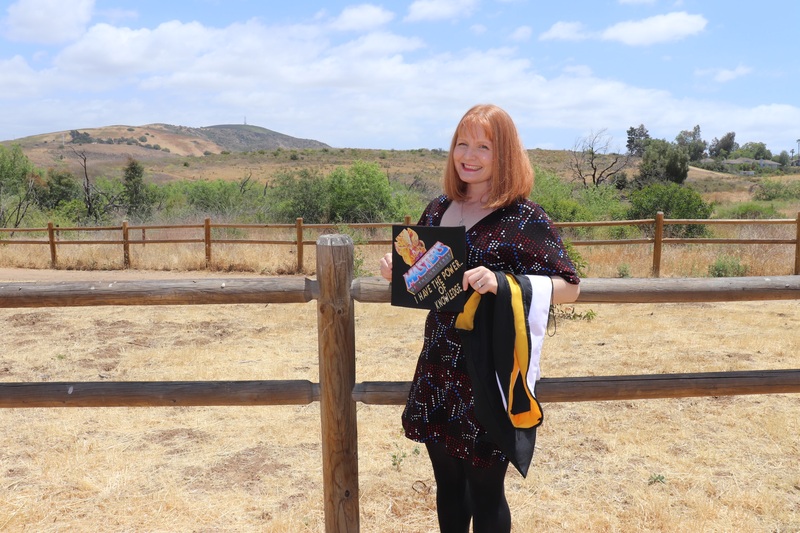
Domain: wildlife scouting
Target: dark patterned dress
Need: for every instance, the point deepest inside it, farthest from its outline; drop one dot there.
(520, 239)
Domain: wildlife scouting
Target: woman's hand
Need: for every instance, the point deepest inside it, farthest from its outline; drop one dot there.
(386, 267)
(481, 279)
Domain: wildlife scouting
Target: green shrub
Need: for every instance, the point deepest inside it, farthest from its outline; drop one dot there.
(360, 193)
(674, 201)
(769, 190)
(354, 194)
(61, 186)
(300, 194)
(218, 197)
(749, 211)
(727, 266)
(601, 203)
(555, 197)
(576, 258)
(624, 232)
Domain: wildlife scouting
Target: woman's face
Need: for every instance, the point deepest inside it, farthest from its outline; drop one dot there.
(473, 156)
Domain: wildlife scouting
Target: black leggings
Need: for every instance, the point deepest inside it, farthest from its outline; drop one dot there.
(465, 492)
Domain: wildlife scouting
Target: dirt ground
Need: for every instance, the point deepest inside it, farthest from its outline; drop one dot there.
(712, 464)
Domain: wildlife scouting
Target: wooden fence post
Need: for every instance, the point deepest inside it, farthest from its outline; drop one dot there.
(657, 243)
(207, 240)
(797, 247)
(51, 236)
(337, 372)
(298, 227)
(126, 246)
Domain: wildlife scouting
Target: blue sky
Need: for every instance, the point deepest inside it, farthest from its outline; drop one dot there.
(399, 75)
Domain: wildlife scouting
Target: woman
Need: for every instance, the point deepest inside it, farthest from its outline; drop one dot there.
(486, 186)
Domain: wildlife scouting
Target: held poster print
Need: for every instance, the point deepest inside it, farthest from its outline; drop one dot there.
(428, 265)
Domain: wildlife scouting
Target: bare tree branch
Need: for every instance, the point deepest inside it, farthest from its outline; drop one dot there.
(591, 162)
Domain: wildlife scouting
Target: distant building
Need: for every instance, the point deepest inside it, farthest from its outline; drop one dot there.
(763, 163)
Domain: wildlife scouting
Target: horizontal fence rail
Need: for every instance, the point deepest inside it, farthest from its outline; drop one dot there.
(303, 392)
(158, 292)
(158, 393)
(371, 290)
(131, 235)
(605, 388)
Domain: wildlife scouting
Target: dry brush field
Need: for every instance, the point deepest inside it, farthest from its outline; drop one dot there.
(711, 464)
(695, 464)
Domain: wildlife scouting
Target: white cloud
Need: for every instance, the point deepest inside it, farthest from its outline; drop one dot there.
(363, 17)
(115, 15)
(583, 71)
(521, 34)
(108, 51)
(47, 21)
(349, 90)
(658, 29)
(724, 75)
(375, 45)
(239, 62)
(478, 29)
(18, 80)
(565, 31)
(428, 10)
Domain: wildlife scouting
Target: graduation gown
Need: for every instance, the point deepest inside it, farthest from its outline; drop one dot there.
(502, 337)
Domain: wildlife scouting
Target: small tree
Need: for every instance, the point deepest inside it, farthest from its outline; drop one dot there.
(663, 161)
(17, 186)
(693, 143)
(98, 201)
(591, 161)
(637, 140)
(754, 150)
(783, 159)
(136, 197)
(723, 147)
(60, 187)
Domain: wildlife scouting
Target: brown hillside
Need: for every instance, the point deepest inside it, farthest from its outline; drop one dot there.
(235, 152)
(166, 151)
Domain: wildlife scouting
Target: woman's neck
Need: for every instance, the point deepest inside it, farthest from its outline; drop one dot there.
(476, 195)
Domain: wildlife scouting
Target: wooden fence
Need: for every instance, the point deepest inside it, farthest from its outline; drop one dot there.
(138, 236)
(336, 291)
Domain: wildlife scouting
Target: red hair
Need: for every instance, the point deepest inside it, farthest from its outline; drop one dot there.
(512, 173)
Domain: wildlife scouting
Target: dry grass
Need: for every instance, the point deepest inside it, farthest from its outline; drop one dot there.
(691, 261)
(698, 464)
(271, 259)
